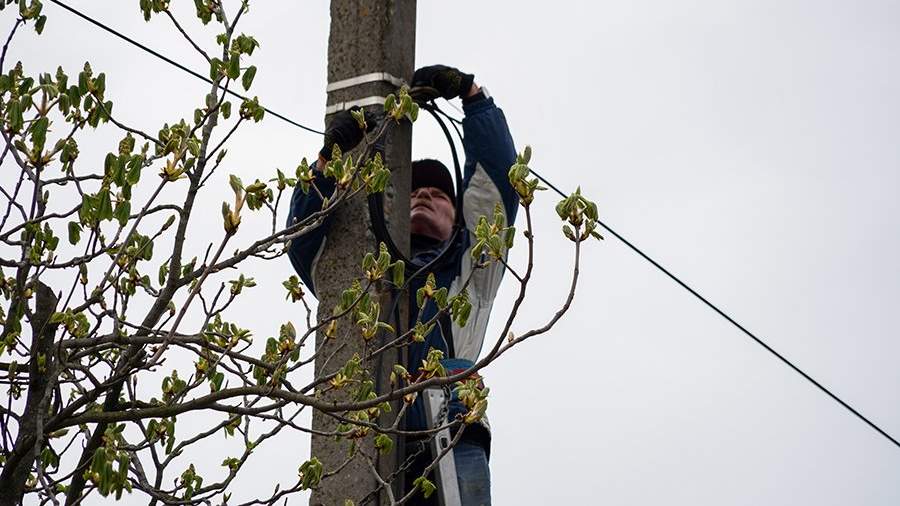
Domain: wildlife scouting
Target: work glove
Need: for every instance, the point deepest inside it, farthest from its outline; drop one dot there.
(444, 81)
(344, 131)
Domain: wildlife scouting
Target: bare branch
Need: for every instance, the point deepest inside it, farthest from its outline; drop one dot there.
(186, 36)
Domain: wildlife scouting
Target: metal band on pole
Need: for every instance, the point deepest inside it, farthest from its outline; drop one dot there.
(372, 77)
(362, 102)
(363, 79)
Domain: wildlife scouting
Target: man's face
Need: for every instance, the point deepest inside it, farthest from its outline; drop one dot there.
(431, 213)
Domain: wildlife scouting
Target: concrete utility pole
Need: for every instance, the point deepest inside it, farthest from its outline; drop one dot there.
(372, 42)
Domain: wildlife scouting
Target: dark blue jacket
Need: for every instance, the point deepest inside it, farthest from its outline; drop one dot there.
(489, 153)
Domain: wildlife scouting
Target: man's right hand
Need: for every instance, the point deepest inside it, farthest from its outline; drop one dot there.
(345, 131)
(448, 82)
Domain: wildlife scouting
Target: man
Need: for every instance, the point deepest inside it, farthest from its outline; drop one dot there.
(489, 153)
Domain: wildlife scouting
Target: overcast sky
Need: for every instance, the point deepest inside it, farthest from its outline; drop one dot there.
(749, 146)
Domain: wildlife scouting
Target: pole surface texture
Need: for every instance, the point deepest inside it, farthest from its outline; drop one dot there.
(366, 36)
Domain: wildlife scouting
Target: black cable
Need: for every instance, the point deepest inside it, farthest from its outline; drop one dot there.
(376, 210)
(730, 320)
(550, 185)
(713, 307)
(176, 64)
(453, 123)
(431, 107)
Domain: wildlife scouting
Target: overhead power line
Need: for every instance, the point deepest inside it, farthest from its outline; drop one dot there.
(731, 320)
(175, 63)
(618, 236)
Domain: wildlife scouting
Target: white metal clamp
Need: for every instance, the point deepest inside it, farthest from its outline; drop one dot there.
(355, 81)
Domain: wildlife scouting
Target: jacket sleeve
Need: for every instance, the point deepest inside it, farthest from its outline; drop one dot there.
(489, 154)
(304, 251)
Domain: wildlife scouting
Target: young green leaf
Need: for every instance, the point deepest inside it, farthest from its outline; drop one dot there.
(249, 74)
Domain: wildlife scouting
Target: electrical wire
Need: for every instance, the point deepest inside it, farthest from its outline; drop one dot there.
(177, 65)
(731, 320)
(712, 306)
(609, 229)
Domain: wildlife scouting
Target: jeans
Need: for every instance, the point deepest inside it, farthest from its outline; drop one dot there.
(472, 473)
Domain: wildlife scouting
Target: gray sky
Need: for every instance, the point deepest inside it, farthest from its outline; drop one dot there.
(751, 147)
